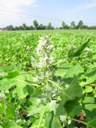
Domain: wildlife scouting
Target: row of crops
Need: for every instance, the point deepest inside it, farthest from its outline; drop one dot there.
(48, 79)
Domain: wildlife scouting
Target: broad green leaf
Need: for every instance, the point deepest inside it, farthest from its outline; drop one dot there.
(69, 72)
(61, 110)
(73, 108)
(6, 84)
(74, 71)
(62, 69)
(73, 91)
(61, 72)
(8, 68)
(88, 89)
(20, 87)
(88, 100)
(21, 83)
(90, 107)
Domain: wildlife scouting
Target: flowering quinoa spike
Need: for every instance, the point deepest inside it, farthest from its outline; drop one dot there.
(43, 50)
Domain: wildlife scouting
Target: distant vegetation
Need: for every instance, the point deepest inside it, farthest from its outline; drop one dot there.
(36, 26)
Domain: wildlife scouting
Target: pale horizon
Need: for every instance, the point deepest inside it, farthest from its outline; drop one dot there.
(16, 12)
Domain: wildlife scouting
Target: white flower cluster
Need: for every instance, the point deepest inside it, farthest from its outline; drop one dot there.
(2, 74)
(44, 45)
(88, 49)
(64, 119)
(43, 50)
(2, 94)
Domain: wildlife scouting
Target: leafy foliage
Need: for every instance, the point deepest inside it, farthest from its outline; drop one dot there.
(51, 95)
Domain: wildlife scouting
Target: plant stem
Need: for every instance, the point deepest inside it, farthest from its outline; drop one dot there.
(41, 118)
(82, 122)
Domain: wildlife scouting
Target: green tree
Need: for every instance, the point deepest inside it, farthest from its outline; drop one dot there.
(49, 26)
(24, 26)
(31, 27)
(10, 27)
(20, 27)
(80, 24)
(72, 25)
(16, 28)
(35, 23)
(63, 24)
(41, 26)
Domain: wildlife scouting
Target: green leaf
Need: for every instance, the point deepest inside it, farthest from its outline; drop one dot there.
(69, 72)
(21, 87)
(91, 77)
(22, 84)
(88, 89)
(90, 107)
(10, 111)
(6, 84)
(73, 91)
(30, 89)
(60, 110)
(61, 72)
(12, 74)
(73, 107)
(8, 68)
(62, 69)
(76, 52)
(88, 100)
(74, 71)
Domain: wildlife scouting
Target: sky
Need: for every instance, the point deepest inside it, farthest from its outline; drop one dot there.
(16, 12)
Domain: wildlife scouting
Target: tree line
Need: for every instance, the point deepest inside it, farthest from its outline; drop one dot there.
(37, 26)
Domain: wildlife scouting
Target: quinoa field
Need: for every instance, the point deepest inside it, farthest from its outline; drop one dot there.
(48, 79)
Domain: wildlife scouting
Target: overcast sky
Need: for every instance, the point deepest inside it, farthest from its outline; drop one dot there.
(16, 12)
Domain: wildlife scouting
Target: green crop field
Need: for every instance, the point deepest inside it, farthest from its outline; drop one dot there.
(48, 79)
